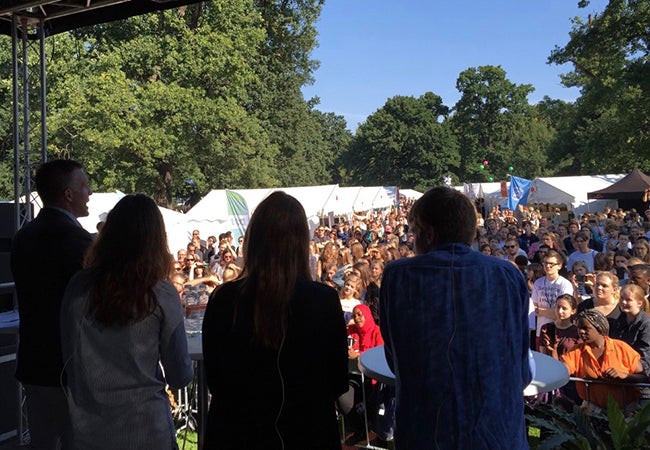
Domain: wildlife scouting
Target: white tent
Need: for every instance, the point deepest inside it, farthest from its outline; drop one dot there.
(572, 191)
(410, 193)
(374, 197)
(100, 203)
(211, 216)
(341, 202)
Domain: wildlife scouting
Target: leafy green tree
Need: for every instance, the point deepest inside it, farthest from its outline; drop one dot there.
(285, 66)
(157, 101)
(562, 150)
(337, 139)
(609, 52)
(6, 121)
(494, 122)
(405, 144)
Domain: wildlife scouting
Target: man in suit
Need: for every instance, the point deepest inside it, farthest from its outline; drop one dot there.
(54, 243)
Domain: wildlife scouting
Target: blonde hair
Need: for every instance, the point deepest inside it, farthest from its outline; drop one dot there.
(639, 294)
(355, 281)
(614, 280)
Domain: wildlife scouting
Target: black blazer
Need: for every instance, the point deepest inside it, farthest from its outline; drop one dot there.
(45, 253)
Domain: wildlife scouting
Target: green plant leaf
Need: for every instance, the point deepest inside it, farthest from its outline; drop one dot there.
(617, 423)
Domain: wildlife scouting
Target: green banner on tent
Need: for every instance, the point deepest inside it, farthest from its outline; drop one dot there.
(237, 213)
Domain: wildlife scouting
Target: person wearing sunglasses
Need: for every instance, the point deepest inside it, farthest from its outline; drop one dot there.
(190, 263)
(511, 247)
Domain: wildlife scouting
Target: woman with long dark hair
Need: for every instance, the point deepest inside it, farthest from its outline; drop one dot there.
(120, 319)
(274, 342)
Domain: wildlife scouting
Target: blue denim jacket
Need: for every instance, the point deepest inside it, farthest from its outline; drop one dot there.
(456, 336)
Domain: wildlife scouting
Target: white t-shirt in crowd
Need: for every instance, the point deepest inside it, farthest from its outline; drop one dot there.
(545, 294)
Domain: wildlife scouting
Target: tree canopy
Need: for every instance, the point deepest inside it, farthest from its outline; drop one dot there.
(404, 143)
(610, 52)
(208, 96)
(495, 124)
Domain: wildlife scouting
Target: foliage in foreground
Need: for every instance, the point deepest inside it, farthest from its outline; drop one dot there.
(187, 440)
(577, 430)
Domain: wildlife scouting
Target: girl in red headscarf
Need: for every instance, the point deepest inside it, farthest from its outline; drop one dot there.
(381, 398)
(364, 331)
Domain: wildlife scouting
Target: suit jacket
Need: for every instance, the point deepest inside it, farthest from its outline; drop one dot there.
(45, 254)
(259, 395)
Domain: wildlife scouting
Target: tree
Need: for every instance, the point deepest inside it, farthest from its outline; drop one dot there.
(6, 119)
(337, 139)
(494, 122)
(157, 101)
(610, 56)
(278, 103)
(562, 151)
(404, 143)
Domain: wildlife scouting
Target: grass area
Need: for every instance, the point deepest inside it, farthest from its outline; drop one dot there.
(187, 440)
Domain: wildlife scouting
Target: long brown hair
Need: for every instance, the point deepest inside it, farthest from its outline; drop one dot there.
(127, 260)
(276, 251)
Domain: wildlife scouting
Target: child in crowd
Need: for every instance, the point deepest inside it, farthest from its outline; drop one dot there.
(621, 259)
(350, 296)
(330, 272)
(578, 277)
(560, 337)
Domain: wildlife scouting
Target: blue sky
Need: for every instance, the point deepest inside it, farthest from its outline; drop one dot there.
(371, 50)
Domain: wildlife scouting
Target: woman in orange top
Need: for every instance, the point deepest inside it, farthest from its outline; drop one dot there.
(600, 357)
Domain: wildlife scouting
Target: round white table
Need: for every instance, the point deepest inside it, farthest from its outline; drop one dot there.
(550, 374)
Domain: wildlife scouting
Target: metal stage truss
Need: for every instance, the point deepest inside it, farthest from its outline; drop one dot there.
(29, 22)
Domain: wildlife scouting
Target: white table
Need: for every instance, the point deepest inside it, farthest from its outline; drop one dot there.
(550, 374)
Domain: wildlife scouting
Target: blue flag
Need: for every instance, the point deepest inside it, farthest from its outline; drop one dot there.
(518, 192)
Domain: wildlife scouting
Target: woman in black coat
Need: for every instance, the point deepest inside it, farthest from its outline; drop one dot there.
(274, 343)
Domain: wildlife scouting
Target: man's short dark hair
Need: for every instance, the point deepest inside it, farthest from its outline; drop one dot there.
(581, 235)
(521, 261)
(442, 215)
(557, 255)
(53, 177)
(643, 268)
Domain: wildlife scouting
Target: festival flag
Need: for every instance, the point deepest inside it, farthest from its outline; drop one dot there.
(518, 192)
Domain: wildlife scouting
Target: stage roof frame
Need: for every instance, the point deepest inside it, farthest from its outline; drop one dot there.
(59, 16)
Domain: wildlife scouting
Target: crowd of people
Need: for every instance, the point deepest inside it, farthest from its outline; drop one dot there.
(289, 310)
(589, 282)
(589, 263)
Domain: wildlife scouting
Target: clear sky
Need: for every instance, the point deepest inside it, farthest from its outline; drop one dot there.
(372, 50)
